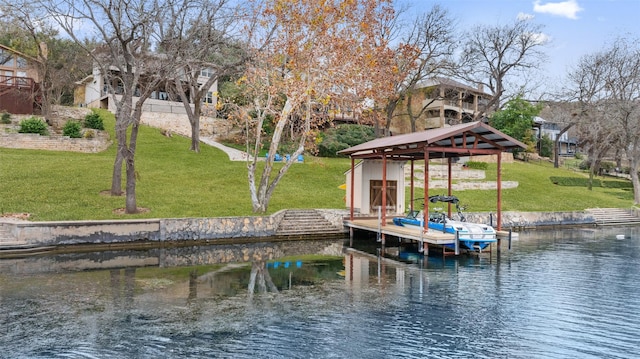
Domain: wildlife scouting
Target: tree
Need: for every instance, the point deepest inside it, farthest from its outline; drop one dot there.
(622, 86)
(205, 41)
(516, 120)
(589, 85)
(64, 62)
(321, 51)
(32, 32)
(563, 113)
(491, 55)
(425, 53)
(128, 33)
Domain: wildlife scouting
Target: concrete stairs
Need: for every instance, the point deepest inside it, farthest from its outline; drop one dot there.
(613, 216)
(305, 223)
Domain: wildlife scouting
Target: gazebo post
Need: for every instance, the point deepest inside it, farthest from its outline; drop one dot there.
(449, 186)
(499, 187)
(411, 195)
(425, 212)
(351, 192)
(384, 195)
(384, 189)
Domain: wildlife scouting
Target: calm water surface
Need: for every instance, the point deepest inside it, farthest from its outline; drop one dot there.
(556, 294)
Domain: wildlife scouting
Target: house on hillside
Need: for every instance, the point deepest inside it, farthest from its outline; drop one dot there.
(19, 82)
(163, 105)
(567, 146)
(441, 102)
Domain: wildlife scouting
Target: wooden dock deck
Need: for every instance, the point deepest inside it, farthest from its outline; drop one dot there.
(426, 239)
(431, 237)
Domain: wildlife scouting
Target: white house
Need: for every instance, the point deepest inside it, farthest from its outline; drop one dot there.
(162, 109)
(368, 187)
(567, 146)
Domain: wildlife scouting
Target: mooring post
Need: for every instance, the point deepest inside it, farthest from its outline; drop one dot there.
(457, 244)
(379, 225)
(351, 237)
(509, 238)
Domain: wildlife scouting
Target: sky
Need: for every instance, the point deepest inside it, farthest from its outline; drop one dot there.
(574, 27)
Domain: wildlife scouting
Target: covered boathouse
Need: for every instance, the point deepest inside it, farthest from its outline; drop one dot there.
(468, 139)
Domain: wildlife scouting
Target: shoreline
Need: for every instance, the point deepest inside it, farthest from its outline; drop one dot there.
(22, 235)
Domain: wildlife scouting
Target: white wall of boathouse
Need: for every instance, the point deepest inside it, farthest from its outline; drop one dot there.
(371, 170)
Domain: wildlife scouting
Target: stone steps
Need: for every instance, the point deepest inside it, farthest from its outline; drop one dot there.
(307, 221)
(613, 216)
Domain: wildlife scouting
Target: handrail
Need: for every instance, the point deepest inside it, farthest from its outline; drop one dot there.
(17, 82)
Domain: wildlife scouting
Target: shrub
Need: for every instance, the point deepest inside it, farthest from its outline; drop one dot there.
(93, 121)
(33, 125)
(477, 165)
(72, 129)
(343, 136)
(574, 181)
(89, 134)
(5, 118)
(546, 146)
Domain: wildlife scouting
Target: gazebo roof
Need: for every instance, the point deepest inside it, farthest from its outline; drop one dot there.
(474, 138)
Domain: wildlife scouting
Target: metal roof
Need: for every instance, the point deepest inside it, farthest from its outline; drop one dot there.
(472, 138)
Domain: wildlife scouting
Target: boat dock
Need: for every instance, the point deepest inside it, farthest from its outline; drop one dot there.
(431, 238)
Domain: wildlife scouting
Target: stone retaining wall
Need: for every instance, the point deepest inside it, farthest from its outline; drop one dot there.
(181, 229)
(170, 229)
(191, 229)
(178, 123)
(521, 220)
(54, 143)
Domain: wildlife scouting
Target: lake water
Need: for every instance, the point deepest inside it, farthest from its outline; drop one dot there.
(556, 294)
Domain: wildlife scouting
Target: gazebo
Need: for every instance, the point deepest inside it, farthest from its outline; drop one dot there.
(467, 139)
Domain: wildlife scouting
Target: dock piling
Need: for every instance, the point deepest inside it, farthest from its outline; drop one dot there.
(457, 243)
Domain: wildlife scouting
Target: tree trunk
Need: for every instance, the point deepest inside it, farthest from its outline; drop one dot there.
(121, 139)
(556, 162)
(389, 110)
(116, 178)
(635, 180)
(194, 119)
(131, 205)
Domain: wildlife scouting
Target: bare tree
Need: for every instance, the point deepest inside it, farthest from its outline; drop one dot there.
(209, 43)
(622, 85)
(37, 31)
(425, 53)
(62, 61)
(132, 71)
(564, 114)
(595, 128)
(493, 54)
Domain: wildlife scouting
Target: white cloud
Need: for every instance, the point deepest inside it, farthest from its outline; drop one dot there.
(568, 9)
(540, 38)
(524, 16)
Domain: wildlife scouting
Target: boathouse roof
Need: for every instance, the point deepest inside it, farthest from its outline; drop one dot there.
(473, 138)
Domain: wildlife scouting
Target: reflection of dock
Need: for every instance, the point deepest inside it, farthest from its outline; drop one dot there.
(430, 237)
(433, 238)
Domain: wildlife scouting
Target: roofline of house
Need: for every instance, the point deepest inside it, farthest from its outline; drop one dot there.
(20, 53)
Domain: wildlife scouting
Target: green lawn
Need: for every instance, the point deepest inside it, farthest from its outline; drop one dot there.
(175, 182)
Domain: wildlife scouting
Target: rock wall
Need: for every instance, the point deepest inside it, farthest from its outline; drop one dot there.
(178, 123)
(54, 143)
(181, 229)
(521, 220)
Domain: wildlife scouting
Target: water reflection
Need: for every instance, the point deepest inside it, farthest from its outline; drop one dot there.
(557, 294)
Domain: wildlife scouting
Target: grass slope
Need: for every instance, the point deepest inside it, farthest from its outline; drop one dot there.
(175, 182)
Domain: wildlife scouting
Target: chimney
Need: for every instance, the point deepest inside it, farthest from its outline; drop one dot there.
(44, 50)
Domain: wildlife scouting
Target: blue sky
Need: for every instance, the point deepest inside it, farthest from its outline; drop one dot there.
(574, 27)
